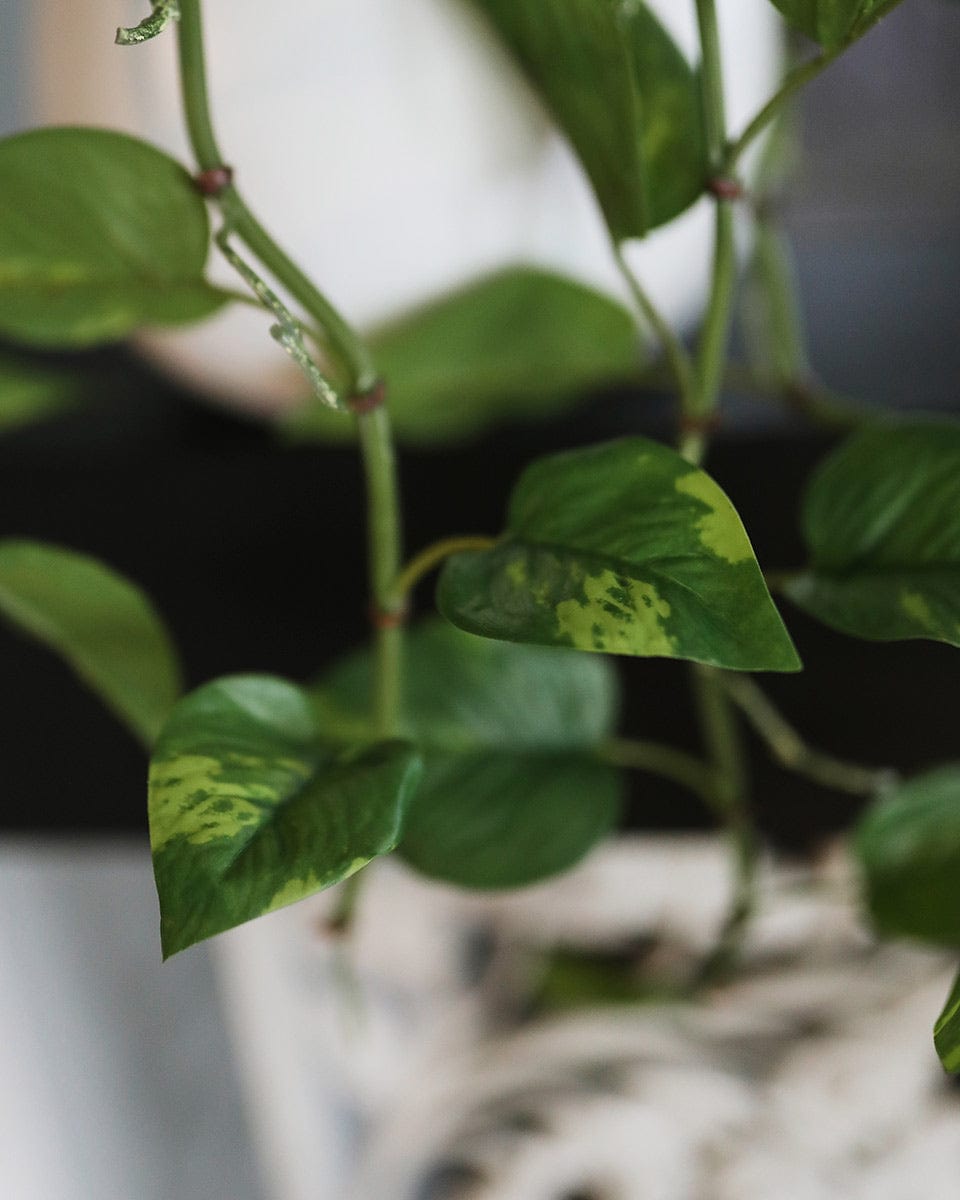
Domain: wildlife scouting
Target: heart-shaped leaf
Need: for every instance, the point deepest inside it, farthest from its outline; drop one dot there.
(102, 624)
(909, 846)
(512, 790)
(881, 518)
(623, 548)
(833, 22)
(252, 809)
(516, 345)
(99, 234)
(624, 95)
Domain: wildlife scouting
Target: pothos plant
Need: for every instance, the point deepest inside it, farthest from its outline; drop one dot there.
(481, 746)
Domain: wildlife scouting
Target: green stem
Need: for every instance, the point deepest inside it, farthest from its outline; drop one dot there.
(384, 554)
(714, 103)
(431, 557)
(656, 759)
(777, 279)
(676, 355)
(730, 802)
(715, 335)
(791, 751)
(794, 82)
(717, 719)
(240, 220)
(374, 425)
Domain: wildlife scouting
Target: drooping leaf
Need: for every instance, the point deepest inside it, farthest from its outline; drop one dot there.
(833, 22)
(519, 344)
(102, 624)
(252, 809)
(99, 234)
(512, 791)
(881, 518)
(946, 1032)
(623, 548)
(909, 846)
(624, 95)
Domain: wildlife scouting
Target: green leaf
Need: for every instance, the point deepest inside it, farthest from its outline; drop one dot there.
(512, 791)
(102, 624)
(622, 548)
(99, 234)
(32, 390)
(519, 344)
(252, 809)
(946, 1032)
(833, 22)
(881, 518)
(623, 94)
(909, 847)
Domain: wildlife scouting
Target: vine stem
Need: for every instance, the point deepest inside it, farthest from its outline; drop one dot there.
(718, 721)
(791, 751)
(676, 355)
(376, 441)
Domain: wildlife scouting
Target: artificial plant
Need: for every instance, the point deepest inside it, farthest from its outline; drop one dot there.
(483, 747)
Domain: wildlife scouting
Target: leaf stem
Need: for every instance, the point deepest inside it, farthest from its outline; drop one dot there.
(656, 759)
(432, 556)
(795, 81)
(678, 360)
(790, 750)
(373, 423)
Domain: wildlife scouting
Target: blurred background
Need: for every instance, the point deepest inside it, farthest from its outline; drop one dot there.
(103, 1046)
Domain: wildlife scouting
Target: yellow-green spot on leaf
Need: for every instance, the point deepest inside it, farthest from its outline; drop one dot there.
(617, 616)
(517, 572)
(719, 528)
(300, 888)
(195, 798)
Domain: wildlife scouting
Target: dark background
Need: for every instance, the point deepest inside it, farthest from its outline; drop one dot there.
(254, 553)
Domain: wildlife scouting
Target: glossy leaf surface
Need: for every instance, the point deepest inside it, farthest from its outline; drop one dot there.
(946, 1032)
(99, 234)
(882, 521)
(102, 624)
(516, 345)
(909, 846)
(251, 810)
(622, 548)
(623, 94)
(511, 792)
(833, 22)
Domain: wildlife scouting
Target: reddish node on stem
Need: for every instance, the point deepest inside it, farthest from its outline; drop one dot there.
(369, 401)
(214, 182)
(380, 619)
(725, 188)
(707, 424)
